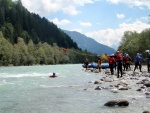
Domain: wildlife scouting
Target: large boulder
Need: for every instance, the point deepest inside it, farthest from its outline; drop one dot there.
(98, 82)
(123, 88)
(147, 83)
(119, 102)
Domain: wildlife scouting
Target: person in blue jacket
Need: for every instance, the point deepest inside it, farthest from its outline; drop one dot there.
(138, 59)
(148, 60)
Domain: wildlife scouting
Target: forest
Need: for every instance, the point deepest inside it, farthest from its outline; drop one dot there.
(28, 39)
(41, 53)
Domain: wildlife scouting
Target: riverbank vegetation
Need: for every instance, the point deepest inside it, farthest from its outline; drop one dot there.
(133, 42)
(41, 53)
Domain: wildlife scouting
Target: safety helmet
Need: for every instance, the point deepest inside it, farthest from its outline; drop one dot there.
(112, 55)
(118, 52)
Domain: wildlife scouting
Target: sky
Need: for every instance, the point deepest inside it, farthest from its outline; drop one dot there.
(103, 20)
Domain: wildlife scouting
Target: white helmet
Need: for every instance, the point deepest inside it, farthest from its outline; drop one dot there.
(147, 51)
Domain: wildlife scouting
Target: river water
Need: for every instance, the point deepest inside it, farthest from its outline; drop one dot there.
(28, 89)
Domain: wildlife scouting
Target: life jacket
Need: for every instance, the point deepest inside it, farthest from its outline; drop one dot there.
(111, 60)
(138, 59)
(118, 57)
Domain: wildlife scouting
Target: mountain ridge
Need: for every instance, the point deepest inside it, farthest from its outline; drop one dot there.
(89, 44)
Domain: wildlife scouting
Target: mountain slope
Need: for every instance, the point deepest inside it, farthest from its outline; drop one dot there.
(89, 44)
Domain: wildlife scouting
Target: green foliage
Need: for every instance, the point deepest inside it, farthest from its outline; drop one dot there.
(133, 43)
(28, 39)
(41, 53)
(6, 50)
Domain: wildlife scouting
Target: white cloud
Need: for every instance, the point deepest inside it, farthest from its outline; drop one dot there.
(71, 10)
(112, 37)
(138, 3)
(61, 22)
(43, 7)
(86, 24)
(120, 15)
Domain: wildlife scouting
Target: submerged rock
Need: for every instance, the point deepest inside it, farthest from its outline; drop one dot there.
(98, 88)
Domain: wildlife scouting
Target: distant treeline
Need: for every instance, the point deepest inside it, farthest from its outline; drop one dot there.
(41, 53)
(133, 43)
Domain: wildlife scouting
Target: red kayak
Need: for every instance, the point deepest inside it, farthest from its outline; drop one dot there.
(52, 76)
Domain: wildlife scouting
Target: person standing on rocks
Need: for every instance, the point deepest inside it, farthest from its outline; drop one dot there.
(138, 62)
(128, 61)
(119, 63)
(111, 62)
(86, 63)
(148, 61)
(99, 63)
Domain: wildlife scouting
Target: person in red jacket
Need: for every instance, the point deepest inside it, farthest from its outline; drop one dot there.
(119, 63)
(111, 62)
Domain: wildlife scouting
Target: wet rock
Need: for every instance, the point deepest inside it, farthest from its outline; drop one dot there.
(114, 90)
(110, 103)
(98, 82)
(111, 86)
(96, 71)
(148, 89)
(147, 83)
(139, 89)
(123, 83)
(98, 88)
(122, 102)
(145, 80)
(122, 88)
(140, 82)
(107, 72)
(108, 79)
(143, 87)
(119, 102)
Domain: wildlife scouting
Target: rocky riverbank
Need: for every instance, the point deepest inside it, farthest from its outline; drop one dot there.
(139, 81)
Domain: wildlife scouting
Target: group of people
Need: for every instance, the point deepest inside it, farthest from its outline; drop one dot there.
(117, 61)
(124, 61)
(138, 61)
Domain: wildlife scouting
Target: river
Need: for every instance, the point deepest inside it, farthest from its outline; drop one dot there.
(28, 89)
